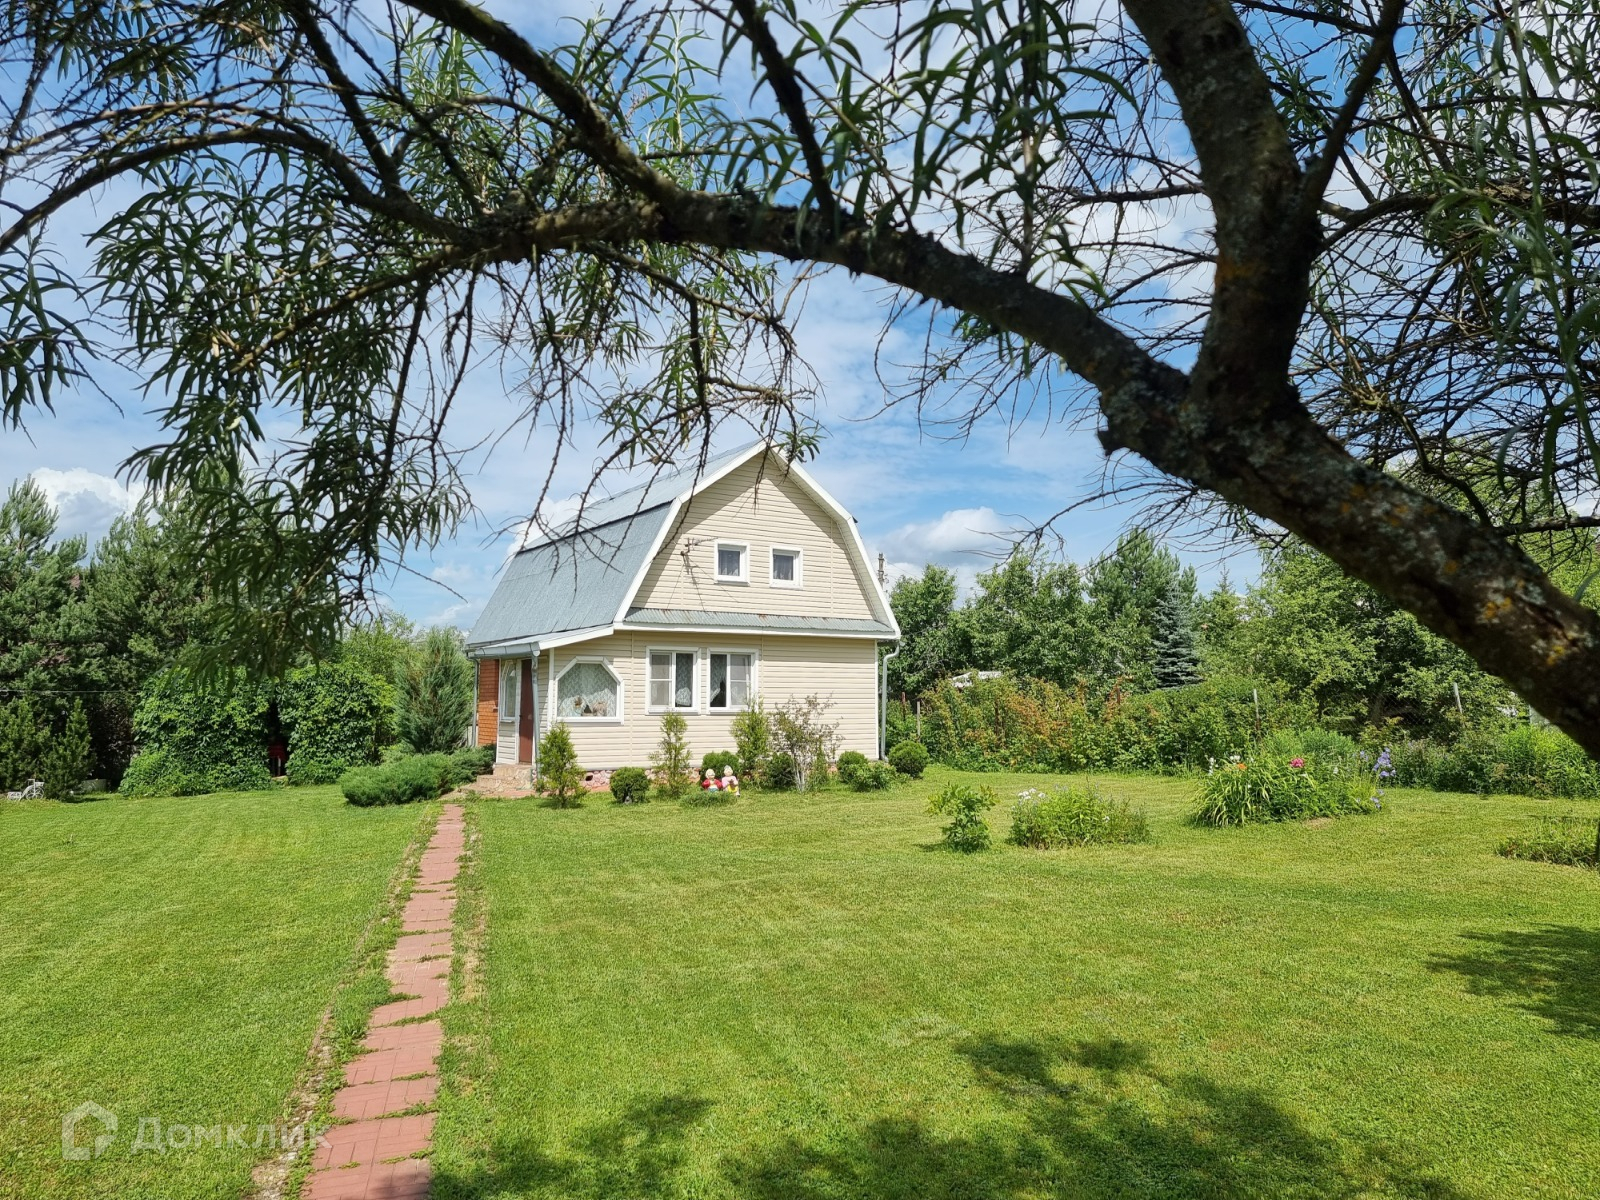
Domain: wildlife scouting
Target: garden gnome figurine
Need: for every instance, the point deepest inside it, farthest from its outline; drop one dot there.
(730, 781)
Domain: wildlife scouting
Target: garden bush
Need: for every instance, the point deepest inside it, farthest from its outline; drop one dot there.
(781, 774)
(630, 785)
(420, 777)
(872, 777)
(1511, 759)
(158, 772)
(909, 758)
(1568, 840)
(336, 717)
(1074, 816)
(967, 831)
(240, 777)
(1272, 788)
(717, 760)
(849, 763)
(472, 761)
(202, 732)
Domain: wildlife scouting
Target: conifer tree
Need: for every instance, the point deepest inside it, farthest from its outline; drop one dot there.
(1175, 659)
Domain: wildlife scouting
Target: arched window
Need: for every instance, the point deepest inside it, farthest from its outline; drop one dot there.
(588, 690)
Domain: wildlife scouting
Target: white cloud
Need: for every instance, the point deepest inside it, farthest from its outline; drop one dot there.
(87, 502)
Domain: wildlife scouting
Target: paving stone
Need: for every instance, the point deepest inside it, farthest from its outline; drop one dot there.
(384, 1098)
(406, 1180)
(411, 947)
(373, 1141)
(396, 1037)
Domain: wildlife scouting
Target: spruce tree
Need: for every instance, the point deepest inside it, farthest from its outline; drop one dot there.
(1175, 661)
(66, 763)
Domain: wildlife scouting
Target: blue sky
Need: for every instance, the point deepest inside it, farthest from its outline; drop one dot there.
(918, 498)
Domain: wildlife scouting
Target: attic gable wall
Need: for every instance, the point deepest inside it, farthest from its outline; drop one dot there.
(762, 508)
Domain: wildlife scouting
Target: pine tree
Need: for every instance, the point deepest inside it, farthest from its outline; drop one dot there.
(1175, 661)
(66, 763)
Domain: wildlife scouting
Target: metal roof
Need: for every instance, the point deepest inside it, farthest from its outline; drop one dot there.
(575, 583)
(663, 489)
(679, 618)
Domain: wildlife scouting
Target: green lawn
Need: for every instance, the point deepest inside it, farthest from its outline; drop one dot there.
(169, 959)
(799, 997)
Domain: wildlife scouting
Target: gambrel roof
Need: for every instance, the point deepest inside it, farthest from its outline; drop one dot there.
(581, 581)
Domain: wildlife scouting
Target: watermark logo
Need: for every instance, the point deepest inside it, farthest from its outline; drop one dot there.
(92, 1119)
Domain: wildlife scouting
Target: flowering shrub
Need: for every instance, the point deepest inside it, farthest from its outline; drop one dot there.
(1271, 788)
(1073, 816)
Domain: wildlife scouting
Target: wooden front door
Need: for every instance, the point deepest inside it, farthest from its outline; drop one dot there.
(525, 715)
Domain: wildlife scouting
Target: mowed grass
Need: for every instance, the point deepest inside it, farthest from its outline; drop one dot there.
(800, 997)
(169, 960)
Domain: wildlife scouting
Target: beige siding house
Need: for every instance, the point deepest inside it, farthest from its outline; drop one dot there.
(695, 593)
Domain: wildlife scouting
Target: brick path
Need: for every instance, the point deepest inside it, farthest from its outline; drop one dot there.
(370, 1156)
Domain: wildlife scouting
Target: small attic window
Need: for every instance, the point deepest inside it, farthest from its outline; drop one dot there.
(733, 562)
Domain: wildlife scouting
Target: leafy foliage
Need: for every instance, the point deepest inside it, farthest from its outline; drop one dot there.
(336, 716)
(781, 774)
(203, 731)
(872, 777)
(560, 776)
(1568, 840)
(630, 785)
(753, 736)
(1074, 816)
(850, 761)
(1268, 788)
(967, 831)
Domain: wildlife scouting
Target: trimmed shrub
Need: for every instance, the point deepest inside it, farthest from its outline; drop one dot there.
(560, 776)
(872, 777)
(630, 785)
(1074, 816)
(967, 832)
(1567, 840)
(781, 774)
(850, 762)
(909, 758)
(717, 760)
(420, 777)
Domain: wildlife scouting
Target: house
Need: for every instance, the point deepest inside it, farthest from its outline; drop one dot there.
(695, 593)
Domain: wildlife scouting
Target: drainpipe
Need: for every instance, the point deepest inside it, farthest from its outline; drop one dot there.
(883, 703)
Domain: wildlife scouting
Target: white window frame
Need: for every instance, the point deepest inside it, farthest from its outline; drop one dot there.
(694, 679)
(799, 580)
(744, 562)
(603, 661)
(755, 666)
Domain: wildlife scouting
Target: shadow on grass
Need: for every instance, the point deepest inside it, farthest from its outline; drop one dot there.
(1552, 972)
(1091, 1121)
